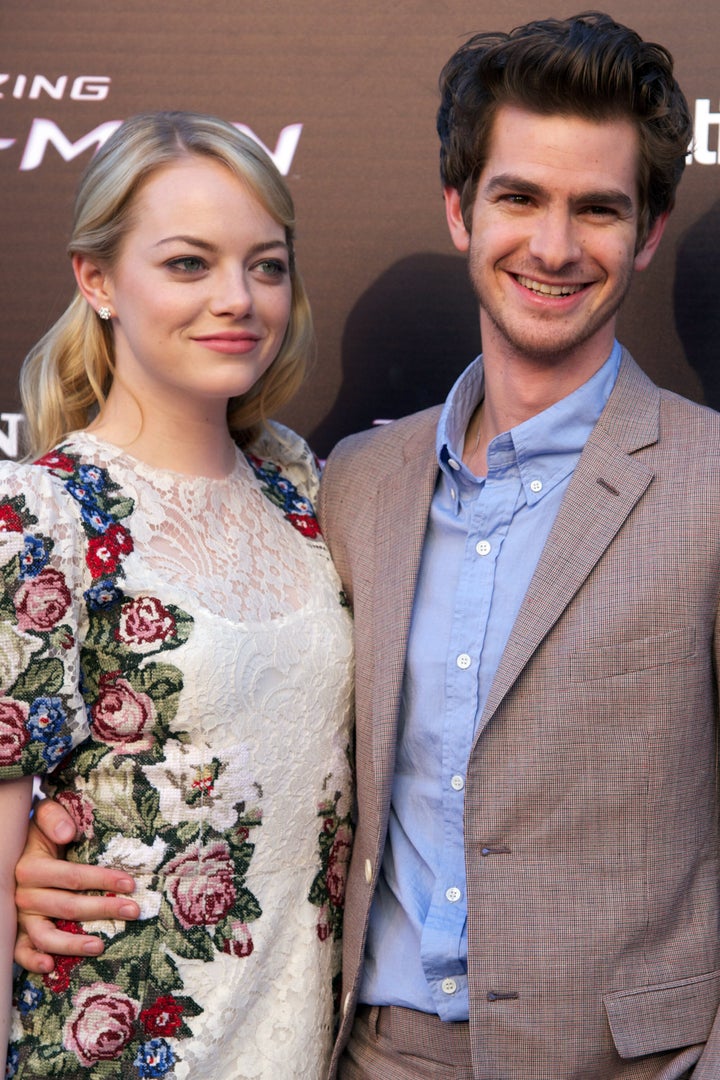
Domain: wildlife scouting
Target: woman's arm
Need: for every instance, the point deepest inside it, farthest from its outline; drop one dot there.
(49, 888)
(15, 801)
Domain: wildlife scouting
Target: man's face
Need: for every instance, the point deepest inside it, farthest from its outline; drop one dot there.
(552, 243)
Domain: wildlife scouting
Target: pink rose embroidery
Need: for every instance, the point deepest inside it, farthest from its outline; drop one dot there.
(41, 602)
(338, 866)
(123, 717)
(80, 810)
(241, 942)
(200, 883)
(14, 734)
(144, 621)
(323, 923)
(101, 1024)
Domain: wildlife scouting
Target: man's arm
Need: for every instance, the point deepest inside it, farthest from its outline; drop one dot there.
(49, 888)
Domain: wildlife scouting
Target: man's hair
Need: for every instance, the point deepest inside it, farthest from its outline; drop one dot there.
(588, 66)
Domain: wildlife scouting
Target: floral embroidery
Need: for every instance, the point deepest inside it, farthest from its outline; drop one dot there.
(328, 888)
(133, 788)
(298, 510)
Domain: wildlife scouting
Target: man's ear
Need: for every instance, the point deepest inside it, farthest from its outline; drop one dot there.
(92, 281)
(458, 233)
(646, 252)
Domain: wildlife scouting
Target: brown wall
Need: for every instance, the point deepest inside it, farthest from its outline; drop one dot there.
(395, 317)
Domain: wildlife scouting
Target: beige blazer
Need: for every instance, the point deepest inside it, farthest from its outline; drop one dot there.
(591, 816)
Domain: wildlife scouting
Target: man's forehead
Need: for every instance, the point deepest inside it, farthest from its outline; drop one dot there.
(562, 148)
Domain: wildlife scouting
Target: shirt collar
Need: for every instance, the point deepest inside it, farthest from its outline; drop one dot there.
(546, 447)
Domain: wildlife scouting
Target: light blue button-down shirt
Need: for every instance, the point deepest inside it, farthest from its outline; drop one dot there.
(483, 541)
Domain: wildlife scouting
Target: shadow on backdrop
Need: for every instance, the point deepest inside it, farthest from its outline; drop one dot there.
(405, 342)
(696, 301)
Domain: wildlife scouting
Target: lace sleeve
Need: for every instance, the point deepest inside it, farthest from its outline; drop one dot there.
(42, 714)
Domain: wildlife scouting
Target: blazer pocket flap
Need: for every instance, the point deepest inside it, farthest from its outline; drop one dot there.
(655, 1018)
(637, 655)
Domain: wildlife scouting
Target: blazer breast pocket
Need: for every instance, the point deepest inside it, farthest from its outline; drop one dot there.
(651, 1019)
(637, 654)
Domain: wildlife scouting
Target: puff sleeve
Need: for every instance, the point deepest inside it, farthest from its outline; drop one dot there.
(42, 621)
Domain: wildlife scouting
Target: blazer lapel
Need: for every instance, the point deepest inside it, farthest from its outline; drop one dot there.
(402, 511)
(606, 485)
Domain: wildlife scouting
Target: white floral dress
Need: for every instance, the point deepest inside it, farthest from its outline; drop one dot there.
(175, 657)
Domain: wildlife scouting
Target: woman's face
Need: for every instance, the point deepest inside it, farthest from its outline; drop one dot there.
(200, 294)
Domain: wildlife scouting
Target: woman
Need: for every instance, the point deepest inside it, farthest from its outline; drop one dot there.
(175, 647)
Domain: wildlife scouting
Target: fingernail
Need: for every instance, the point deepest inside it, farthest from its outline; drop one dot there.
(128, 911)
(125, 884)
(92, 948)
(64, 832)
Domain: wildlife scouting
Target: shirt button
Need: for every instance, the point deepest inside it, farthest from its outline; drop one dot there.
(457, 783)
(536, 485)
(453, 464)
(453, 493)
(463, 661)
(449, 986)
(483, 547)
(368, 871)
(453, 894)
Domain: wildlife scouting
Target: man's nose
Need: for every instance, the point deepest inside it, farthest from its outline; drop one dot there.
(555, 239)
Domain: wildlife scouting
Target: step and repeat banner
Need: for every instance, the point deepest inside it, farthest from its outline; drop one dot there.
(343, 96)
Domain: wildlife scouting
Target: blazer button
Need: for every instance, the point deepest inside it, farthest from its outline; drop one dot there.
(368, 872)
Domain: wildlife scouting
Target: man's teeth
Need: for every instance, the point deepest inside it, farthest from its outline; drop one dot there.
(548, 290)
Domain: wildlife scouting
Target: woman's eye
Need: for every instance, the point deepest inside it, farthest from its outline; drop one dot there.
(188, 264)
(271, 267)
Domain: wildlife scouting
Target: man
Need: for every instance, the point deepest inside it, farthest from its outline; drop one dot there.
(534, 569)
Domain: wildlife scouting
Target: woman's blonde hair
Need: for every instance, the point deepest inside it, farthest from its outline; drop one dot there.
(68, 374)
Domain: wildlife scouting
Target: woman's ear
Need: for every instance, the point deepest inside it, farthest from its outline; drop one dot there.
(93, 282)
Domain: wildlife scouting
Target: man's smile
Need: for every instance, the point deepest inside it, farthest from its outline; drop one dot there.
(548, 290)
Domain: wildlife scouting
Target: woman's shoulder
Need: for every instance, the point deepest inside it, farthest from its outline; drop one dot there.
(287, 450)
(54, 488)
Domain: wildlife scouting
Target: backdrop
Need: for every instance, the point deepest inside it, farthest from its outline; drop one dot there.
(344, 97)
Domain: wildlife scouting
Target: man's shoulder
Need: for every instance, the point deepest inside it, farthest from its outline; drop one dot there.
(690, 413)
(380, 441)
(641, 413)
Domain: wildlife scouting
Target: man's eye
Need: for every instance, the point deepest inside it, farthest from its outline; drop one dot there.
(516, 200)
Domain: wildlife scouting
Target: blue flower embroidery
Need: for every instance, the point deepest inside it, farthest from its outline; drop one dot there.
(29, 998)
(92, 476)
(103, 594)
(46, 717)
(154, 1058)
(34, 557)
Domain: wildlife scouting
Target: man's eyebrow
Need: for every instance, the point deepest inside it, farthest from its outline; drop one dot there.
(511, 182)
(204, 245)
(620, 200)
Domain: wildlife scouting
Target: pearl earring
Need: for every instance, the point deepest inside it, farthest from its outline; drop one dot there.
(104, 312)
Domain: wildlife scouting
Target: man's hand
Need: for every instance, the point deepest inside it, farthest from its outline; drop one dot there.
(49, 888)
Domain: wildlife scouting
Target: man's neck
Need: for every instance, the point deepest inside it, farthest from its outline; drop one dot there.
(517, 388)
